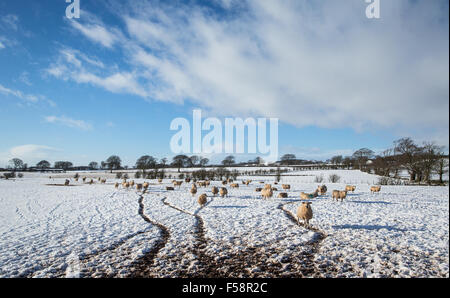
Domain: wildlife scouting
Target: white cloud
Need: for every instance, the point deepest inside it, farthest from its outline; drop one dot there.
(96, 31)
(30, 154)
(24, 78)
(29, 99)
(63, 120)
(10, 21)
(70, 66)
(308, 63)
(19, 94)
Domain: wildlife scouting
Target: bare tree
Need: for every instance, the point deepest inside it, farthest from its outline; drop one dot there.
(43, 164)
(441, 167)
(145, 162)
(337, 160)
(65, 165)
(16, 163)
(193, 160)
(228, 161)
(113, 162)
(407, 154)
(430, 157)
(204, 161)
(362, 156)
(93, 165)
(287, 159)
(180, 161)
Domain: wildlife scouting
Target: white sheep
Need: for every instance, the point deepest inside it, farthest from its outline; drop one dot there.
(223, 192)
(202, 199)
(305, 213)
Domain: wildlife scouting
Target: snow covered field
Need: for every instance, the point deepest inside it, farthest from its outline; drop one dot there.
(97, 231)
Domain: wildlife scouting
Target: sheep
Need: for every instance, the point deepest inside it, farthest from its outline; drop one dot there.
(139, 186)
(224, 182)
(169, 188)
(193, 190)
(202, 199)
(305, 213)
(342, 195)
(116, 185)
(307, 196)
(127, 185)
(267, 193)
(215, 190)
(286, 186)
(282, 195)
(103, 181)
(304, 196)
(91, 182)
(350, 188)
(223, 192)
(67, 182)
(132, 183)
(375, 189)
(322, 189)
(160, 180)
(234, 185)
(145, 185)
(335, 195)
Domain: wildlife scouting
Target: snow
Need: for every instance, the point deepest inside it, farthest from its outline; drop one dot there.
(96, 231)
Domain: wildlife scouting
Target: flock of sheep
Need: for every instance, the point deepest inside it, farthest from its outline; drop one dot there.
(304, 211)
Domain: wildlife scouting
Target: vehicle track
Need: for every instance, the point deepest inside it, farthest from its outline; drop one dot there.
(143, 266)
(231, 262)
(206, 265)
(309, 267)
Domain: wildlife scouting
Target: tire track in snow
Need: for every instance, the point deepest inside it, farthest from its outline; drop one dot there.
(206, 266)
(310, 268)
(143, 266)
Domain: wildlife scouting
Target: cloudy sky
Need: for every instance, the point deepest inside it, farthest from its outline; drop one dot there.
(112, 81)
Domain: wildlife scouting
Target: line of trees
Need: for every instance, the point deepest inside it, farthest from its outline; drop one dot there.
(420, 161)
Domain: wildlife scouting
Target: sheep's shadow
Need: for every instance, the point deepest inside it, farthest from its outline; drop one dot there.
(353, 195)
(290, 200)
(368, 227)
(373, 202)
(238, 207)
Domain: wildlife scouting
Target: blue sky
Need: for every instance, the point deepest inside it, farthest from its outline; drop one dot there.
(112, 81)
